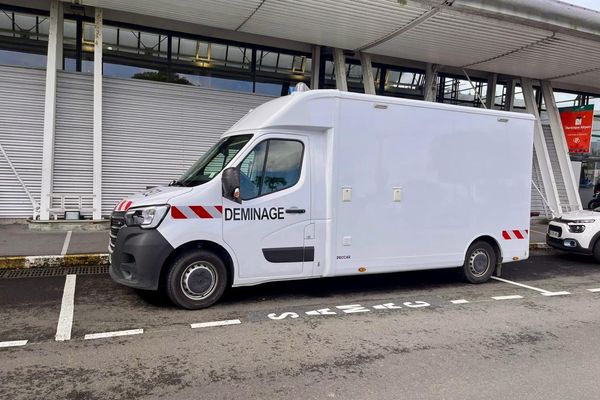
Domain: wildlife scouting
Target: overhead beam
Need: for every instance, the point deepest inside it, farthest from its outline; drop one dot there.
(411, 25)
(367, 73)
(54, 62)
(339, 65)
(541, 150)
(562, 149)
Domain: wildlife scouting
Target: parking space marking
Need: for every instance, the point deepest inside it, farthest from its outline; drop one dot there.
(215, 323)
(459, 301)
(103, 335)
(66, 243)
(542, 291)
(65, 320)
(550, 294)
(595, 290)
(541, 233)
(511, 297)
(13, 343)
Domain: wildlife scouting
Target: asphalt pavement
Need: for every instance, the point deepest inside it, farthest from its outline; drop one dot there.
(417, 335)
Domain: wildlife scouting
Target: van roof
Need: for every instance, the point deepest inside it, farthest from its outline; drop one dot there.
(310, 110)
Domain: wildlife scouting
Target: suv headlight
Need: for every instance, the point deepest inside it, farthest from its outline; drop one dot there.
(146, 217)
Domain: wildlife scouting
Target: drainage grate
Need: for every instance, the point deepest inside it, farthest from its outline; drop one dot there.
(46, 272)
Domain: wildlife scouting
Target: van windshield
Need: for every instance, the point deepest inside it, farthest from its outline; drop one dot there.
(213, 161)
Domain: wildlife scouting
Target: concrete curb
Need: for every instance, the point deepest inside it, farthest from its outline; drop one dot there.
(69, 260)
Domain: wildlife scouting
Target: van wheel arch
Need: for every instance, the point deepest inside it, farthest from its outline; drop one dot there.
(213, 247)
(495, 246)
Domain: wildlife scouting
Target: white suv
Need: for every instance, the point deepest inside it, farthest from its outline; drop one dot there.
(576, 232)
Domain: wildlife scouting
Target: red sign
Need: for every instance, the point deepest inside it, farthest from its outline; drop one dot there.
(577, 124)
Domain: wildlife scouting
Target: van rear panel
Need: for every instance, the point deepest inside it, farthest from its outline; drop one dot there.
(414, 185)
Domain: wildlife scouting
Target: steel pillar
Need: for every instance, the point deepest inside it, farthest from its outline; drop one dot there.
(490, 96)
(339, 65)
(54, 62)
(562, 149)
(97, 157)
(509, 101)
(316, 67)
(431, 73)
(367, 73)
(541, 151)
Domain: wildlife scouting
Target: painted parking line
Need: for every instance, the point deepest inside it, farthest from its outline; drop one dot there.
(13, 343)
(459, 301)
(103, 335)
(66, 243)
(215, 323)
(595, 290)
(65, 320)
(542, 291)
(511, 297)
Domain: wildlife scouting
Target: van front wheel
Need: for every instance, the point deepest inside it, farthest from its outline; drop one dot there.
(480, 262)
(196, 279)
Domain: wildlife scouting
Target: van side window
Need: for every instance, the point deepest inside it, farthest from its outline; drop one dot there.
(272, 165)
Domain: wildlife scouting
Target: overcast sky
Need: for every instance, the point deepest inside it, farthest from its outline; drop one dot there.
(591, 4)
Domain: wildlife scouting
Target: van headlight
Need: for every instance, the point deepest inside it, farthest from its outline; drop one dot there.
(146, 217)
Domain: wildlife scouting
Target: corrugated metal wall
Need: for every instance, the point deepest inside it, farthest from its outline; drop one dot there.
(153, 131)
(73, 143)
(21, 136)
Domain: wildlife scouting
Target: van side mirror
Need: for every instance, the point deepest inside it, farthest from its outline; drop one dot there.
(230, 182)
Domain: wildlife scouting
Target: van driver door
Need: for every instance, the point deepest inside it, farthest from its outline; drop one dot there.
(267, 230)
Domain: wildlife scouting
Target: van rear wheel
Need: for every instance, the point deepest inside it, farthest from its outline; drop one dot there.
(480, 262)
(196, 279)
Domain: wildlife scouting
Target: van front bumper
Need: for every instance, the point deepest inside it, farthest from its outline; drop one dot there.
(138, 257)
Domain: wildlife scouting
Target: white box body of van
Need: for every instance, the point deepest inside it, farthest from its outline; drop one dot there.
(383, 185)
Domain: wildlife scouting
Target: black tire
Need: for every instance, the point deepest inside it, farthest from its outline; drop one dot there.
(196, 279)
(480, 263)
(597, 251)
(593, 204)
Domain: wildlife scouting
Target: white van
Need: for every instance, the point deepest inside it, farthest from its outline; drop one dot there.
(326, 183)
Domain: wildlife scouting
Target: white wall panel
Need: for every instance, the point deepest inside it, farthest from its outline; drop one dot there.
(152, 131)
(73, 143)
(21, 135)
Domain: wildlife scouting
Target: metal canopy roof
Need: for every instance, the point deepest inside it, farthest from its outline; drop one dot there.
(540, 39)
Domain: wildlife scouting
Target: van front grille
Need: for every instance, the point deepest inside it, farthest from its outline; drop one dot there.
(117, 221)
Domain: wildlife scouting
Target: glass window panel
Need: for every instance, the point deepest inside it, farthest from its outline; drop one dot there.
(70, 30)
(251, 172)
(128, 39)
(149, 40)
(88, 32)
(273, 89)
(6, 20)
(285, 61)
(109, 36)
(25, 22)
(44, 26)
(22, 59)
(267, 61)
(218, 52)
(126, 71)
(282, 169)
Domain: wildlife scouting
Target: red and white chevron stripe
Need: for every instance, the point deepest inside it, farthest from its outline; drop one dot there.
(123, 205)
(518, 234)
(190, 212)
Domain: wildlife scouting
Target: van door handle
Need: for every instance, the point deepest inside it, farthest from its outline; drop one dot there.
(295, 210)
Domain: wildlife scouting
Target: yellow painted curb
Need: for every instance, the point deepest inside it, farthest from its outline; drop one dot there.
(68, 260)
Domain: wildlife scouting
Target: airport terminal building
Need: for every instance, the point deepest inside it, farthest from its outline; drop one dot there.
(100, 99)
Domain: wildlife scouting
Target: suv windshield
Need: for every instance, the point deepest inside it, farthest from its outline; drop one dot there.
(213, 161)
